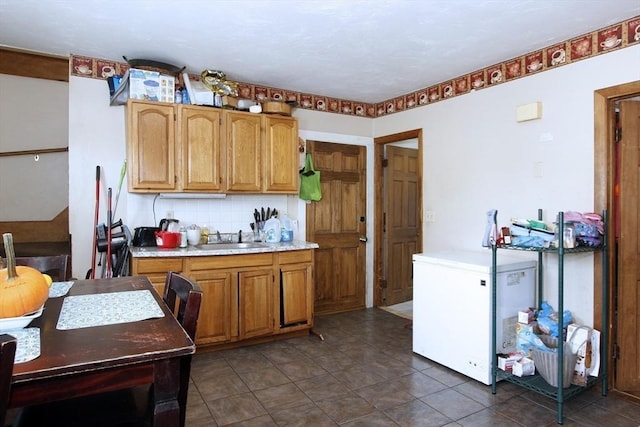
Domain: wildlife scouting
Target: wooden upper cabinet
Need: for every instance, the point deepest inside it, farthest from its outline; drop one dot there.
(184, 148)
(281, 155)
(244, 152)
(201, 150)
(151, 146)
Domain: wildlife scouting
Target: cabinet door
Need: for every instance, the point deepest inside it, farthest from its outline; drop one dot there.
(244, 153)
(218, 310)
(296, 294)
(151, 146)
(255, 304)
(200, 148)
(281, 155)
(156, 269)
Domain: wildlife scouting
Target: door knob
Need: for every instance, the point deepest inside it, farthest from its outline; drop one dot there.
(363, 239)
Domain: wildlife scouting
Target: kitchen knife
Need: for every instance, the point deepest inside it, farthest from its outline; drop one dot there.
(268, 212)
(264, 218)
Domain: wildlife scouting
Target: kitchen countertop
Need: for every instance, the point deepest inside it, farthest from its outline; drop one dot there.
(153, 252)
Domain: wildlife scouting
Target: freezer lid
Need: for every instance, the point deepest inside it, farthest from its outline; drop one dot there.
(479, 261)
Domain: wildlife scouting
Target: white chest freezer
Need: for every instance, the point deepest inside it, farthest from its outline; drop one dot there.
(452, 307)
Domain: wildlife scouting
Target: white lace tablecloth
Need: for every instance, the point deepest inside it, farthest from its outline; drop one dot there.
(28, 346)
(59, 289)
(84, 311)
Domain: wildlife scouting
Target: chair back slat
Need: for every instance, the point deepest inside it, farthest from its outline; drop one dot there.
(56, 266)
(187, 295)
(7, 353)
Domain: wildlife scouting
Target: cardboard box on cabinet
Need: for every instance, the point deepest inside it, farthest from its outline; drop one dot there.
(145, 85)
(151, 86)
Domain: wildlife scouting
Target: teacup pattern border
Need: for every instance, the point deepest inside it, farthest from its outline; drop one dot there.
(598, 42)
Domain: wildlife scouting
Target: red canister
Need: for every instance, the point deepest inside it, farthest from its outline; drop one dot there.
(167, 239)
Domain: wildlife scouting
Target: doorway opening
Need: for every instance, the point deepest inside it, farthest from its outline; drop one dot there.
(616, 184)
(398, 247)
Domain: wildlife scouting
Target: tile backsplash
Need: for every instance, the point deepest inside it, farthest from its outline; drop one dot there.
(233, 213)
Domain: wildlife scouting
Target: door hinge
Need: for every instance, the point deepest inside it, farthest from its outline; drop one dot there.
(383, 283)
(616, 352)
(618, 134)
(385, 163)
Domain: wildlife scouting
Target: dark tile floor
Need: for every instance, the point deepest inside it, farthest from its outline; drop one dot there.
(365, 374)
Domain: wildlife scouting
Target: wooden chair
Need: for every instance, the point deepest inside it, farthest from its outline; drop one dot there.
(129, 407)
(56, 266)
(7, 353)
(188, 296)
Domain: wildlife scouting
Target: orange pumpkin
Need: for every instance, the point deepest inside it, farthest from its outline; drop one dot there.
(23, 290)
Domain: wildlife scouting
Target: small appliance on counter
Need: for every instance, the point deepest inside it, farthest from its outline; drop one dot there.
(170, 224)
(145, 236)
(167, 239)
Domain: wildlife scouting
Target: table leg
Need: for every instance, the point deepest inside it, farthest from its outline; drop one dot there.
(185, 373)
(166, 386)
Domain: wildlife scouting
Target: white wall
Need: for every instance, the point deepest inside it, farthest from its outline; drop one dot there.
(477, 157)
(33, 116)
(96, 138)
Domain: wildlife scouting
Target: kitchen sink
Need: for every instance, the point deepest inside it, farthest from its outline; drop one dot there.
(245, 245)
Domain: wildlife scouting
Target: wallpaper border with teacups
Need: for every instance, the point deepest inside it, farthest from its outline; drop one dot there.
(604, 40)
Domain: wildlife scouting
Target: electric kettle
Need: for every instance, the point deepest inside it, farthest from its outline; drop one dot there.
(169, 224)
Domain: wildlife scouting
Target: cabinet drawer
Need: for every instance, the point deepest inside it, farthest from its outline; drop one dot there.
(157, 265)
(229, 261)
(295, 257)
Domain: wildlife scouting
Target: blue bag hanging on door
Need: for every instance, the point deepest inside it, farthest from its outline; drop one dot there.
(310, 181)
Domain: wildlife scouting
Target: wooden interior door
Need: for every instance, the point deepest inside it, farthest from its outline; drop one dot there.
(338, 223)
(401, 223)
(628, 296)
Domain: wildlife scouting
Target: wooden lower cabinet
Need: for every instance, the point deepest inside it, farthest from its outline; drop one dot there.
(255, 303)
(244, 296)
(156, 269)
(218, 316)
(296, 290)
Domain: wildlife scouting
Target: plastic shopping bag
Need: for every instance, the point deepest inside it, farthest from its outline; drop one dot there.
(310, 188)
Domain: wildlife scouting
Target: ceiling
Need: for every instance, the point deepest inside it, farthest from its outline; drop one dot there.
(361, 50)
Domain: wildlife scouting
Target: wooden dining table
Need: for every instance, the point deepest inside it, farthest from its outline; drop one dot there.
(97, 359)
